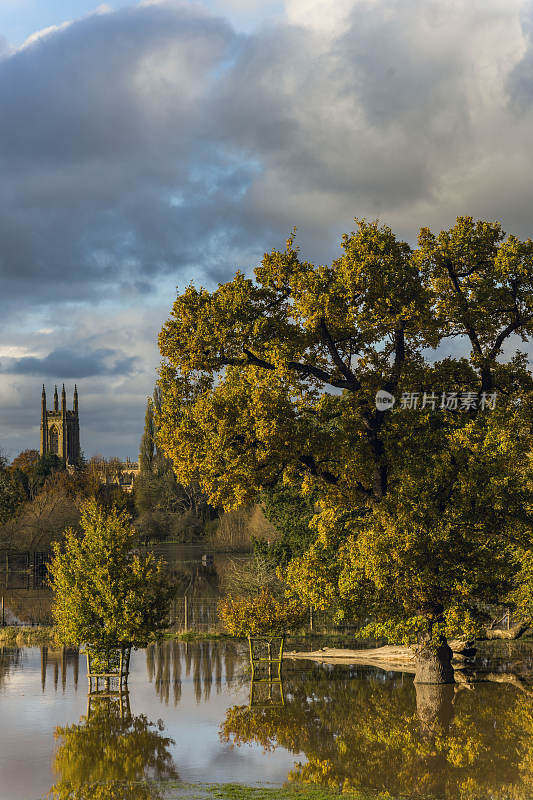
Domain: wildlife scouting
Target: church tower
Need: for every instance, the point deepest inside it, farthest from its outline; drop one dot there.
(60, 429)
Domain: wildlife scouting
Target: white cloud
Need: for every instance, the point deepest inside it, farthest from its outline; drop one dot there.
(16, 351)
(44, 33)
(323, 16)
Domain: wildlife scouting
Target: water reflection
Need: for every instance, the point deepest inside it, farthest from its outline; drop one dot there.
(59, 662)
(355, 727)
(205, 662)
(111, 755)
(376, 734)
(10, 660)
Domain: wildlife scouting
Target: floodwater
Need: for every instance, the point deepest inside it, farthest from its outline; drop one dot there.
(195, 570)
(191, 715)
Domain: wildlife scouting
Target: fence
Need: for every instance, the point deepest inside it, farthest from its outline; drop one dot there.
(200, 615)
(505, 622)
(195, 615)
(23, 570)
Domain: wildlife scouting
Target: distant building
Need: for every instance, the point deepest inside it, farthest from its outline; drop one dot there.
(130, 471)
(60, 429)
(60, 434)
(119, 473)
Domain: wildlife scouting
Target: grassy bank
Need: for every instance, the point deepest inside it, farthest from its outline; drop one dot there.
(39, 636)
(237, 791)
(43, 635)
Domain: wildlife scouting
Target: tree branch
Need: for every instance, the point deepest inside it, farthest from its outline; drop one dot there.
(502, 336)
(399, 357)
(472, 335)
(296, 366)
(335, 356)
(310, 463)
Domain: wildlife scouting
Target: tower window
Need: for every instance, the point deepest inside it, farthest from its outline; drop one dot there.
(53, 440)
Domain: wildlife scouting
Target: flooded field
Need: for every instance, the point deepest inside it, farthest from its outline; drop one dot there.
(192, 715)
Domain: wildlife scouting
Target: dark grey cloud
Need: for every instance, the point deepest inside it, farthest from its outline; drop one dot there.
(156, 140)
(143, 147)
(111, 415)
(112, 168)
(65, 362)
(112, 403)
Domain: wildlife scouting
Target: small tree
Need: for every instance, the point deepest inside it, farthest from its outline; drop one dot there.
(111, 756)
(26, 460)
(262, 615)
(106, 594)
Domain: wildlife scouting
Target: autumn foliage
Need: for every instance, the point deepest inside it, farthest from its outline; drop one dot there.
(261, 615)
(107, 593)
(272, 379)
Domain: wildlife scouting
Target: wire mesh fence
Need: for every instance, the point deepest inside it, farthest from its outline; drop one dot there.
(201, 615)
(195, 615)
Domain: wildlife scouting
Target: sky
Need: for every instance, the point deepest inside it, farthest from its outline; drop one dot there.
(149, 144)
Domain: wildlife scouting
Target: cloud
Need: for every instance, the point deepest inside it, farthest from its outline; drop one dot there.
(401, 111)
(65, 362)
(105, 122)
(43, 33)
(148, 146)
(156, 140)
(112, 401)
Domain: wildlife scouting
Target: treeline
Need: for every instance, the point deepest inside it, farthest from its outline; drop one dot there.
(276, 528)
(166, 509)
(40, 497)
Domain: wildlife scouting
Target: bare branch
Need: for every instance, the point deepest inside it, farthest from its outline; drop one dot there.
(472, 335)
(336, 358)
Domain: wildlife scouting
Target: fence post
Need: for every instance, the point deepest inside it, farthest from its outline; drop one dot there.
(3, 616)
(311, 618)
(185, 614)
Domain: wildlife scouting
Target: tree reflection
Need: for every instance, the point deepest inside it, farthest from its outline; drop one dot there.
(10, 659)
(111, 755)
(368, 734)
(206, 662)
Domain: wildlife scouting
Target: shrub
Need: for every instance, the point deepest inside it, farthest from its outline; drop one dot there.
(261, 615)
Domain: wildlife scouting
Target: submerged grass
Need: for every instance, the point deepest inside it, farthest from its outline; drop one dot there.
(321, 639)
(238, 791)
(17, 636)
(45, 635)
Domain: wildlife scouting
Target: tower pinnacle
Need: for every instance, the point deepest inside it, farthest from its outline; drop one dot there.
(60, 430)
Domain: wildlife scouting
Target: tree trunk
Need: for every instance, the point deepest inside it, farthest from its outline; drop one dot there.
(434, 705)
(434, 663)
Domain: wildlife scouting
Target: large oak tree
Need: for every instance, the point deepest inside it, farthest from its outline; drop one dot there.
(421, 510)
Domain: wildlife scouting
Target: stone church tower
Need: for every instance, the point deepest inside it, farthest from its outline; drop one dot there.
(60, 429)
